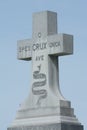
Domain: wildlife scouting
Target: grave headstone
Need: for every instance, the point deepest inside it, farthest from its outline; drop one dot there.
(45, 108)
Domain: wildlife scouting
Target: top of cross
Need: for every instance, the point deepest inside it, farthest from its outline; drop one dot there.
(44, 23)
(45, 31)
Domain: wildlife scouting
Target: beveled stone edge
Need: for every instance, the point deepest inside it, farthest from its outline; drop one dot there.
(45, 120)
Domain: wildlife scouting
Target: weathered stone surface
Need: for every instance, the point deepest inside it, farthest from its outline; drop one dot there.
(45, 108)
(44, 48)
(49, 127)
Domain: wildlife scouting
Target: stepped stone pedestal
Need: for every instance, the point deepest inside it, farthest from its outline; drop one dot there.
(45, 108)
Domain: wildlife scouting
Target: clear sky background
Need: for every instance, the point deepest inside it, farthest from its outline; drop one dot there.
(15, 76)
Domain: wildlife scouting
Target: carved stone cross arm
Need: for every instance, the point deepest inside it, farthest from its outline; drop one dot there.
(24, 49)
(43, 49)
(45, 108)
(59, 44)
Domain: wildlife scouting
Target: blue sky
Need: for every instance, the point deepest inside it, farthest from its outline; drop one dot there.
(15, 76)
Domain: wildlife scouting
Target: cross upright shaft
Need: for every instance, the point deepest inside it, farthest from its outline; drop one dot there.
(45, 108)
(44, 49)
(44, 23)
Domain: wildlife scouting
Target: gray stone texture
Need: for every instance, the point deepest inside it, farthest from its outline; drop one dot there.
(45, 108)
(60, 126)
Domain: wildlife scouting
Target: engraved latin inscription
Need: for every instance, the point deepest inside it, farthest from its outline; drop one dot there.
(54, 44)
(39, 46)
(40, 50)
(24, 48)
(39, 58)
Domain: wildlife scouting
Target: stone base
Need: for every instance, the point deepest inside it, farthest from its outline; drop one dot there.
(57, 126)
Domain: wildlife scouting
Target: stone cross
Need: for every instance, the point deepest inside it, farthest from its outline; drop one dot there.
(45, 108)
(44, 49)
